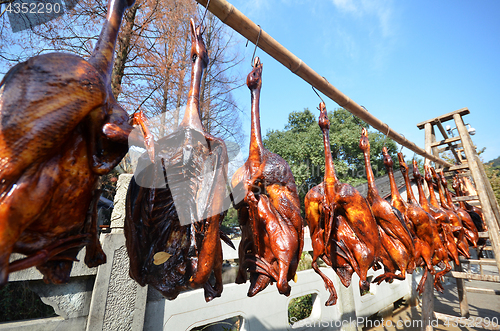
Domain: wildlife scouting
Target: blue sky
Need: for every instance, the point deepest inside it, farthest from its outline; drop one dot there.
(405, 61)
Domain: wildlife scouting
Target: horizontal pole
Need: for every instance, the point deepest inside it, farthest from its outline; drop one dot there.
(465, 198)
(449, 148)
(469, 276)
(444, 118)
(489, 291)
(460, 321)
(233, 18)
(457, 167)
(445, 141)
(490, 262)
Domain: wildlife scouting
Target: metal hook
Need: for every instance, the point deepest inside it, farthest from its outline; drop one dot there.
(317, 94)
(205, 14)
(256, 43)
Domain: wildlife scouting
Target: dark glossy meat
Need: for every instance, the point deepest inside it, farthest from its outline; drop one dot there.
(458, 228)
(60, 128)
(175, 205)
(429, 250)
(268, 210)
(343, 229)
(443, 221)
(469, 227)
(397, 249)
(474, 212)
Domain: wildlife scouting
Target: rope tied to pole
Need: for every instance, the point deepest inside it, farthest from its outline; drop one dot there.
(387, 134)
(204, 14)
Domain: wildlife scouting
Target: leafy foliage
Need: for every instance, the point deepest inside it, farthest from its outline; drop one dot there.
(300, 308)
(18, 302)
(301, 145)
(493, 174)
(230, 221)
(495, 162)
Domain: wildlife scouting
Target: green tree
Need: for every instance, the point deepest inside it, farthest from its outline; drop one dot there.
(301, 145)
(493, 174)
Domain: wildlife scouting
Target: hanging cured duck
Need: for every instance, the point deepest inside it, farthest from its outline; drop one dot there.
(343, 230)
(424, 250)
(426, 229)
(459, 230)
(475, 213)
(443, 221)
(60, 129)
(397, 249)
(268, 209)
(175, 205)
(469, 227)
(450, 218)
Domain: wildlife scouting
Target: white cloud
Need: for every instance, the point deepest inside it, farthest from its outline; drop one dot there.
(376, 19)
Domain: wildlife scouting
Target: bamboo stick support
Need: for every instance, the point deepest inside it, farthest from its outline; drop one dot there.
(232, 17)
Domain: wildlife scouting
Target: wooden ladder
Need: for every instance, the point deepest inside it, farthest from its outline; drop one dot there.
(485, 199)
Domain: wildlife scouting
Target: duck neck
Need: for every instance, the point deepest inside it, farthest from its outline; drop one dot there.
(432, 194)
(421, 194)
(103, 54)
(442, 198)
(460, 203)
(256, 145)
(192, 112)
(448, 196)
(372, 188)
(392, 181)
(330, 175)
(409, 191)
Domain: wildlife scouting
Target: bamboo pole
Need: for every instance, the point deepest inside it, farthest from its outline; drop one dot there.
(481, 182)
(427, 314)
(232, 17)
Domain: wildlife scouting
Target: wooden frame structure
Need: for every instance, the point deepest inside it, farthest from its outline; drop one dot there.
(486, 199)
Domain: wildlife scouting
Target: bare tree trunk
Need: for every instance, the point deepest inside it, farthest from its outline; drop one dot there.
(123, 49)
(180, 84)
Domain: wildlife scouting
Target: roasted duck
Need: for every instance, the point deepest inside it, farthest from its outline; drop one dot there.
(60, 129)
(268, 209)
(455, 223)
(343, 229)
(424, 251)
(468, 187)
(175, 205)
(443, 221)
(469, 227)
(425, 229)
(397, 249)
(459, 229)
(475, 213)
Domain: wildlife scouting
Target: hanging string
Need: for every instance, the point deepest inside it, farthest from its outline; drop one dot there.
(402, 146)
(256, 43)
(205, 14)
(386, 135)
(143, 101)
(317, 94)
